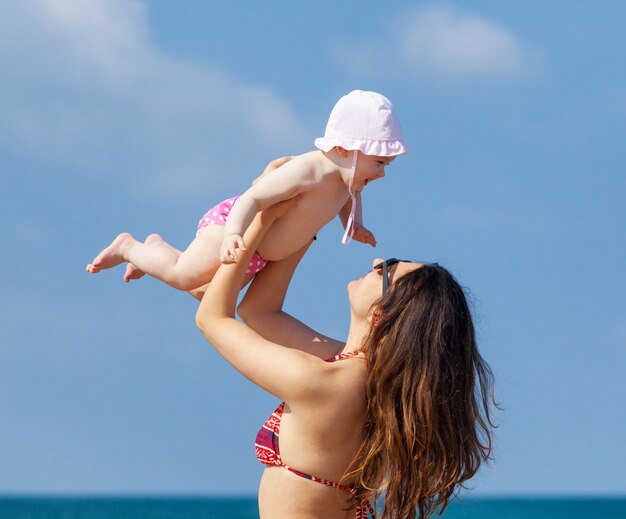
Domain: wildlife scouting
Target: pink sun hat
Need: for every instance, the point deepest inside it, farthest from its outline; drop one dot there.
(364, 121)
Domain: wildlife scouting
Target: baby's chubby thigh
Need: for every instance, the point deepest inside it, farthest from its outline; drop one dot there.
(200, 261)
(205, 248)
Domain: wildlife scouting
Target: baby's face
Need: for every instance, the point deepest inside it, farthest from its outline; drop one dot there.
(369, 168)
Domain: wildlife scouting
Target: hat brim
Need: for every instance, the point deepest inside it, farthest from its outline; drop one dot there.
(374, 147)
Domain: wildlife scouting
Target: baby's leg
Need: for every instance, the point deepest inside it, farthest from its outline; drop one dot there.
(197, 265)
(132, 272)
(189, 269)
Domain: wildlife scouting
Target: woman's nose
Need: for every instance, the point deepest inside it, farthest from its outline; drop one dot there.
(377, 261)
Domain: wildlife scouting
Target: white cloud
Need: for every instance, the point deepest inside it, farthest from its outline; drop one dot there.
(83, 86)
(442, 43)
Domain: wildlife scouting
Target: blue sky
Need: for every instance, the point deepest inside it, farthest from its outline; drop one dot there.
(132, 115)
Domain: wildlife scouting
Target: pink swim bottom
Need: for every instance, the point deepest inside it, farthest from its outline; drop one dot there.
(218, 215)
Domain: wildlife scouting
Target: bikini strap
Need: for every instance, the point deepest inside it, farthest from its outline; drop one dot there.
(346, 355)
(362, 508)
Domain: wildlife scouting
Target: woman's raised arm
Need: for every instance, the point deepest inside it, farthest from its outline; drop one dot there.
(262, 310)
(285, 372)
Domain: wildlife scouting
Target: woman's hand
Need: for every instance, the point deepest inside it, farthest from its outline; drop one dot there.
(274, 164)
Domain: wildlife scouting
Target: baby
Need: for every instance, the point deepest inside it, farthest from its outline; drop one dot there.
(363, 135)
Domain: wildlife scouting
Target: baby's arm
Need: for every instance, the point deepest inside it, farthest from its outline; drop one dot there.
(360, 233)
(344, 213)
(296, 176)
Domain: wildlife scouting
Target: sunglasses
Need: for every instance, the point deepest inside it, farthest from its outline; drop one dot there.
(384, 266)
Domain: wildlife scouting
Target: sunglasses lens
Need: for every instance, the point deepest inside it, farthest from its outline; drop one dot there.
(384, 266)
(388, 262)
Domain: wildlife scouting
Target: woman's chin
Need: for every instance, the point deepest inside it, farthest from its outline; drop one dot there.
(352, 285)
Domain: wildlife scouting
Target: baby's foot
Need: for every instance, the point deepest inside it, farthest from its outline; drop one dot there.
(133, 272)
(112, 255)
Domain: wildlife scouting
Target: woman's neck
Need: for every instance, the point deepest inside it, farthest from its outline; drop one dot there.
(357, 335)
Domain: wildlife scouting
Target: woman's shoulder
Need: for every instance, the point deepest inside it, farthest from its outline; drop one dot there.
(345, 374)
(338, 400)
(315, 380)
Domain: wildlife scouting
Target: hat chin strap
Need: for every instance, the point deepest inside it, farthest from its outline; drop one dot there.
(347, 236)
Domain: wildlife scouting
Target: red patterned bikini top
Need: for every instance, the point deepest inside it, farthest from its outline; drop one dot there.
(268, 450)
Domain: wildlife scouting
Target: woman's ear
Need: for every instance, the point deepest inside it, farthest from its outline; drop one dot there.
(375, 316)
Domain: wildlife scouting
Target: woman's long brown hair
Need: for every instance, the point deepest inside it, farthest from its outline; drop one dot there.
(428, 424)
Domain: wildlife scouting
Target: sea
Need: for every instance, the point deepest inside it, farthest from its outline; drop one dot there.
(246, 508)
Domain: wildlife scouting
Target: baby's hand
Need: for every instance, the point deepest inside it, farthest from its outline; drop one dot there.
(363, 235)
(228, 250)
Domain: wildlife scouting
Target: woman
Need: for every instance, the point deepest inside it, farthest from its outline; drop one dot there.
(400, 411)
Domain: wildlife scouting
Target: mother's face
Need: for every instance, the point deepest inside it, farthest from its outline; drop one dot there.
(368, 289)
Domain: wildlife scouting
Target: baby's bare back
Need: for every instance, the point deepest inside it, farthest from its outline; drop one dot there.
(316, 207)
